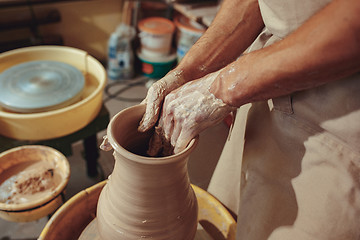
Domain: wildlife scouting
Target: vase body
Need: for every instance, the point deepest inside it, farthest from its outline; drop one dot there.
(145, 197)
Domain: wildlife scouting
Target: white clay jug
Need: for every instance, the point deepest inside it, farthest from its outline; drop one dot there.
(145, 197)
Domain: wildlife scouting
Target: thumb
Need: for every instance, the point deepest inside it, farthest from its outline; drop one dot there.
(182, 142)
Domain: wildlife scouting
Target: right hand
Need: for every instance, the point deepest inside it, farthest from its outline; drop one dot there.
(186, 112)
(156, 95)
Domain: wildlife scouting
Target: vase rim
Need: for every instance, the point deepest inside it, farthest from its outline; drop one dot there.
(144, 159)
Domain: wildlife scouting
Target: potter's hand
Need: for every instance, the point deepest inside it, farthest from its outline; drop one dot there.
(186, 112)
(155, 97)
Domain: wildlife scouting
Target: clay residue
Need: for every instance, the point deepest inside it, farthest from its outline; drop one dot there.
(158, 145)
(32, 183)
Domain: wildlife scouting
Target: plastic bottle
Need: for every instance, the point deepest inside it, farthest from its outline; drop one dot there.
(120, 53)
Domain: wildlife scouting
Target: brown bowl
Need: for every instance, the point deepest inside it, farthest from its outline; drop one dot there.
(32, 181)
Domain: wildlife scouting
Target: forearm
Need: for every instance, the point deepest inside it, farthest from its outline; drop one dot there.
(324, 49)
(234, 28)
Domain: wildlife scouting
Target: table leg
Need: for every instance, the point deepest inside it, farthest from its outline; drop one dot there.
(91, 152)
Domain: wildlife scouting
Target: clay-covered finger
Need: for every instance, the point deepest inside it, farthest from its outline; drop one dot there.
(155, 144)
(182, 141)
(151, 114)
(168, 116)
(176, 133)
(167, 123)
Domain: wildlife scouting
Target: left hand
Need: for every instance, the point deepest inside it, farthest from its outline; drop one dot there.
(186, 112)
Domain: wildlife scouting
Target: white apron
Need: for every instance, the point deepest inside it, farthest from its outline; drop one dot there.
(291, 167)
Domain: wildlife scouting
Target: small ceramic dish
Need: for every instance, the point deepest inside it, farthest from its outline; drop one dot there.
(32, 181)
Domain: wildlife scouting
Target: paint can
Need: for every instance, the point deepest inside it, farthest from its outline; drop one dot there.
(157, 67)
(156, 35)
(188, 32)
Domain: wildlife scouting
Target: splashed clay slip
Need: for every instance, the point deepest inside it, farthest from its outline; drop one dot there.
(145, 198)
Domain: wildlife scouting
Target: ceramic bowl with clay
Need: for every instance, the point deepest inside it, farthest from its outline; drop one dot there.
(32, 181)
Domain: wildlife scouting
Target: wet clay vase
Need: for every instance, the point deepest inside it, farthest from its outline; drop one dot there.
(145, 197)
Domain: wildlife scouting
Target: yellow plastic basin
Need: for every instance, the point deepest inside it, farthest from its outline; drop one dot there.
(63, 121)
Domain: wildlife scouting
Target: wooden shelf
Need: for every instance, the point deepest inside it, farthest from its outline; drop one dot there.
(13, 3)
(201, 12)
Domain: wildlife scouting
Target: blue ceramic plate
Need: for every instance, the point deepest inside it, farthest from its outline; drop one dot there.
(38, 86)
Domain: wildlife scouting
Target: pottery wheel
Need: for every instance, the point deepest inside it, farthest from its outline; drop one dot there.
(91, 233)
(38, 86)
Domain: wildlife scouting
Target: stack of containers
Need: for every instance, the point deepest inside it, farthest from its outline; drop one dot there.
(188, 32)
(155, 53)
(120, 54)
